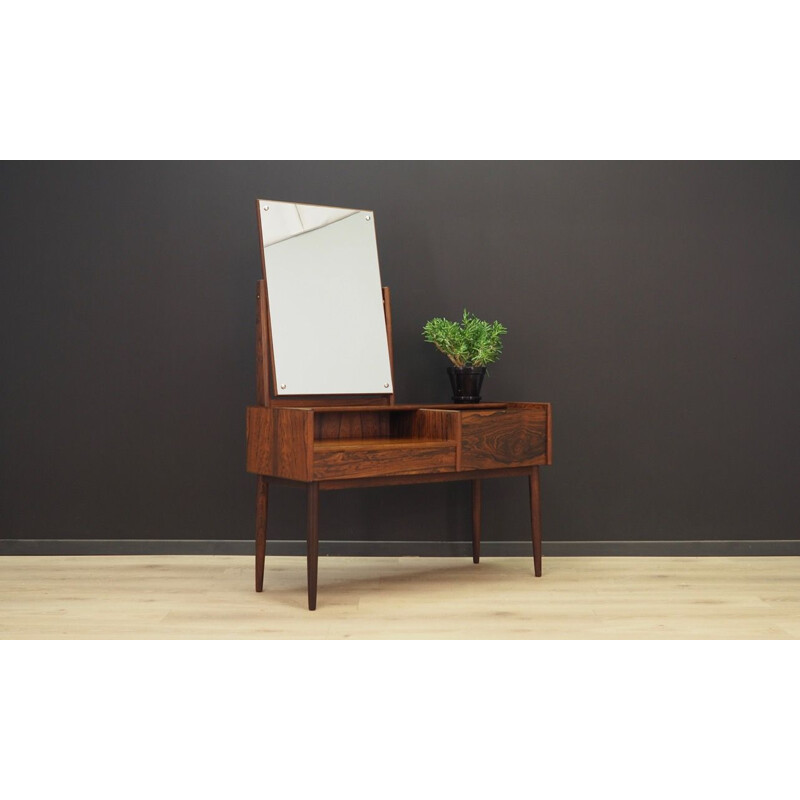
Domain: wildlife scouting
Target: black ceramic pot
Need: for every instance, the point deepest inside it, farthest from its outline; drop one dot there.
(466, 383)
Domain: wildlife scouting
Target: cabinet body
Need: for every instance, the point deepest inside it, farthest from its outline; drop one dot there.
(330, 444)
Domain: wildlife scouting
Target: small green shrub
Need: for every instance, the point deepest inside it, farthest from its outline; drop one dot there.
(469, 343)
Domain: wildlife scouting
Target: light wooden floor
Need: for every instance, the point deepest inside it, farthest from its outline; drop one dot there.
(212, 597)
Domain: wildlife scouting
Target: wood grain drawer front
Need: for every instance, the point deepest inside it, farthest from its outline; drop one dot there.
(366, 458)
(512, 437)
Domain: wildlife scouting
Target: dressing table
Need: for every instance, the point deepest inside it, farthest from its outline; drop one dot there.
(326, 418)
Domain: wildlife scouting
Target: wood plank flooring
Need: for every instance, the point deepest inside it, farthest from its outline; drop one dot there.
(212, 597)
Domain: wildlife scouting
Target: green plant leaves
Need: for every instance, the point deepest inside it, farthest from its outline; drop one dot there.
(469, 343)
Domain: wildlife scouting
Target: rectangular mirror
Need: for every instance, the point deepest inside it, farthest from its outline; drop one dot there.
(327, 322)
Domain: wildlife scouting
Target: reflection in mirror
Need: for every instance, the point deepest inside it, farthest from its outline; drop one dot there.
(325, 302)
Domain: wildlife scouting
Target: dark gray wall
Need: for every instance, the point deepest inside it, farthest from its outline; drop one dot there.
(656, 305)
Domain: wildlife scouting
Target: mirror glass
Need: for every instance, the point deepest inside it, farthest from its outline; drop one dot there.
(325, 301)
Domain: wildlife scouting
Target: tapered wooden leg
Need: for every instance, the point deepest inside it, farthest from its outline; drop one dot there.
(312, 543)
(476, 521)
(262, 495)
(536, 523)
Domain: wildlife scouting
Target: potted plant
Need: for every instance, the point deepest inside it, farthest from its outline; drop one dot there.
(471, 345)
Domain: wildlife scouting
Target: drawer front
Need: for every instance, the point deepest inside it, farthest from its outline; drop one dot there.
(510, 437)
(366, 462)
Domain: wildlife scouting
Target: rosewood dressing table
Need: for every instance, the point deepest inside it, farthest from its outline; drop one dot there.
(326, 422)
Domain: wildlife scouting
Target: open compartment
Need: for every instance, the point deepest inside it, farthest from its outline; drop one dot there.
(404, 423)
(364, 442)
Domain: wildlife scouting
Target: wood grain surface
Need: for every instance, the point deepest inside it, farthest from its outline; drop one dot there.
(366, 424)
(260, 443)
(515, 436)
(382, 457)
(294, 437)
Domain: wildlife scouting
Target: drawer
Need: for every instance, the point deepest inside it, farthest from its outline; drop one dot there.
(362, 458)
(507, 437)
